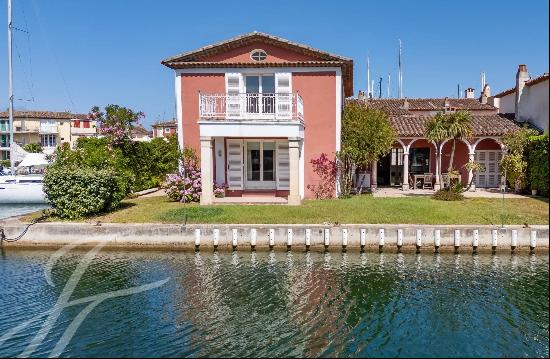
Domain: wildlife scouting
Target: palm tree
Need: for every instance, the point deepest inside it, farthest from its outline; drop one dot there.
(459, 127)
(437, 131)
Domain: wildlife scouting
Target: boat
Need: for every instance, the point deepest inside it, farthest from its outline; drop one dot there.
(18, 187)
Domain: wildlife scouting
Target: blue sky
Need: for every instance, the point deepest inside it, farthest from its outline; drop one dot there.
(84, 53)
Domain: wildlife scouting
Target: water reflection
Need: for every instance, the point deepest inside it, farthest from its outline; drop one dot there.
(290, 304)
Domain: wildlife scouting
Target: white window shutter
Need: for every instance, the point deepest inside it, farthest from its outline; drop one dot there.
(235, 164)
(233, 89)
(283, 166)
(283, 89)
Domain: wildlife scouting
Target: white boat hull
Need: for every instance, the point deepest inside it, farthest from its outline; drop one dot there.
(17, 192)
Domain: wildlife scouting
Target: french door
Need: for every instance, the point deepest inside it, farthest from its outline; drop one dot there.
(260, 164)
(260, 94)
(489, 176)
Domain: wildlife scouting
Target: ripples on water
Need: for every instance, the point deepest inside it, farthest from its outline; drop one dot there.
(287, 304)
(10, 210)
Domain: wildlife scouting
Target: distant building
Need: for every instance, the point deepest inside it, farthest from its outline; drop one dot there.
(164, 129)
(140, 133)
(46, 128)
(527, 101)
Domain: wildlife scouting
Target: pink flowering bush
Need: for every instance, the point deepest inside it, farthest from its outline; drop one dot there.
(219, 190)
(116, 123)
(326, 169)
(184, 186)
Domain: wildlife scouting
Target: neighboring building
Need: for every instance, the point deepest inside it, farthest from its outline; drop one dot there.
(140, 134)
(165, 129)
(527, 101)
(258, 109)
(413, 154)
(47, 128)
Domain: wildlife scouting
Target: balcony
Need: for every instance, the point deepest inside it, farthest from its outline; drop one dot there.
(251, 106)
(48, 128)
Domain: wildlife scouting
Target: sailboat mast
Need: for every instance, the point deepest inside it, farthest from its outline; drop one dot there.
(10, 89)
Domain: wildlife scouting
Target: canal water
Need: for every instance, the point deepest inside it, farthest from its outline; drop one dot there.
(10, 210)
(275, 304)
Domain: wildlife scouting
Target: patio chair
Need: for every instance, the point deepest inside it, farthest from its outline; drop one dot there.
(445, 179)
(413, 185)
(428, 181)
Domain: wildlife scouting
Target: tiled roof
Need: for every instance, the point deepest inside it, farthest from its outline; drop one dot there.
(140, 130)
(171, 123)
(45, 115)
(396, 106)
(505, 92)
(536, 80)
(482, 125)
(193, 59)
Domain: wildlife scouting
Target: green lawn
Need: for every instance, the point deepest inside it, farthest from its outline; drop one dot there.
(360, 209)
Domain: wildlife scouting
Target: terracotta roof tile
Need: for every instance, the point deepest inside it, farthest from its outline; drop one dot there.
(482, 125)
(536, 80)
(395, 106)
(171, 123)
(45, 115)
(192, 59)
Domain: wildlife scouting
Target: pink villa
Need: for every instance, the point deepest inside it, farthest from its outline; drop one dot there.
(258, 108)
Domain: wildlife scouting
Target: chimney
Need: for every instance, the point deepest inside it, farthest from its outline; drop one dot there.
(485, 94)
(522, 77)
(361, 95)
(405, 104)
(469, 93)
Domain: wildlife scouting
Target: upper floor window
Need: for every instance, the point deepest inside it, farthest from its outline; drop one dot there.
(258, 55)
(76, 123)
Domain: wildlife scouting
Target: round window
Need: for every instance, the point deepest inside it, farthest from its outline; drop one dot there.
(258, 55)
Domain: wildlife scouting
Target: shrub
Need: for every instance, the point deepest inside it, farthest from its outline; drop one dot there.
(33, 147)
(538, 164)
(446, 195)
(77, 192)
(325, 168)
(219, 190)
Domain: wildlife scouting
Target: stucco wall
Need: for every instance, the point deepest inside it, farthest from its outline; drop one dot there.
(533, 105)
(507, 104)
(191, 84)
(318, 90)
(274, 54)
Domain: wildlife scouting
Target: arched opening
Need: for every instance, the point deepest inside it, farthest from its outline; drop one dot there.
(460, 159)
(488, 153)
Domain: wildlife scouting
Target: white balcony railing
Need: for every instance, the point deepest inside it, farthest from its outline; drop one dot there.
(48, 128)
(251, 106)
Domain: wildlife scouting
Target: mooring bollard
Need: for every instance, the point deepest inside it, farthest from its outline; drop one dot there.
(399, 240)
(418, 240)
(344, 239)
(253, 237)
(289, 238)
(235, 237)
(197, 239)
(216, 239)
(457, 240)
(362, 238)
(271, 238)
(308, 239)
(533, 241)
(381, 240)
(437, 239)
(475, 240)
(494, 240)
(514, 240)
(326, 235)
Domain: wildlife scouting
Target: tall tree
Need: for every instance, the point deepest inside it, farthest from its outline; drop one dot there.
(367, 135)
(459, 127)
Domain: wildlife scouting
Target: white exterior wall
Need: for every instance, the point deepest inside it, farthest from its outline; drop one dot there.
(533, 106)
(507, 104)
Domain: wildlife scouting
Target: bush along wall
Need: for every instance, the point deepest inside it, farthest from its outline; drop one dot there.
(537, 159)
(78, 192)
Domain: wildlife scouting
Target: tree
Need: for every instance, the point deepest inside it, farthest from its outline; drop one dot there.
(442, 127)
(436, 131)
(514, 162)
(367, 135)
(33, 147)
(116, 123)
(459, 127)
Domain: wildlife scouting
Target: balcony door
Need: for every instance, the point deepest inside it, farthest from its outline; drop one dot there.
(260, 94)
(260, 164)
